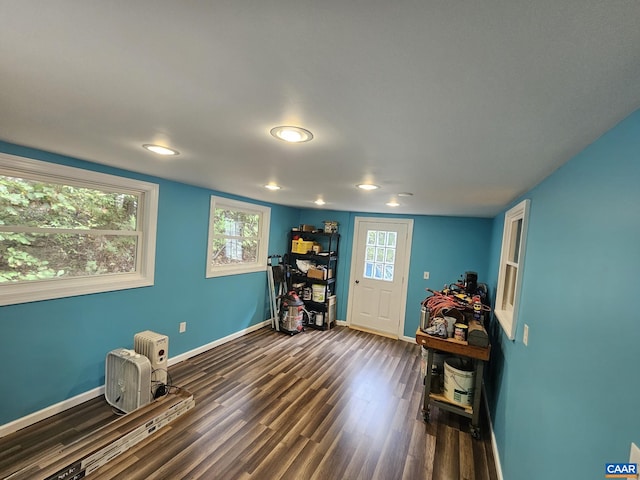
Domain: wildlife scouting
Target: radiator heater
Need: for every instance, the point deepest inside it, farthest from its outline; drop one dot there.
(155, 347)
(127, 380)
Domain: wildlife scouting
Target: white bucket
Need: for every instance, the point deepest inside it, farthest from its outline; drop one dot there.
(317, 293)
(458, 381)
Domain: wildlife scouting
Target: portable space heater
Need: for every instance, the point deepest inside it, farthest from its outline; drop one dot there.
(127, 380)
(155, 347)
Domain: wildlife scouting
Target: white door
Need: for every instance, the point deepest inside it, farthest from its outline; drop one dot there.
(379, 267)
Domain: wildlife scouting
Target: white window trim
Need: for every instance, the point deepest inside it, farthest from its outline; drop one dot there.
(509, 319)
(15, 293)
(263, 247)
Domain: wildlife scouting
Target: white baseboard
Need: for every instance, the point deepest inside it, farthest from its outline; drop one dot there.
(494, 445)
(47, 412)
(35, 417)
(197, 351)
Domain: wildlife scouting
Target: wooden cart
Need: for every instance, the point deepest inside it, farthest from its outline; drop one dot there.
(479, 355)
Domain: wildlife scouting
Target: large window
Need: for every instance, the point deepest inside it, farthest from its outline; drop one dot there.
(238, 237)
(66, 231)
(511, 265)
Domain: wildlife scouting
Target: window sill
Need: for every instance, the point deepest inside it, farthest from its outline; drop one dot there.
(505, 318)
(13, 294)
(224, 272)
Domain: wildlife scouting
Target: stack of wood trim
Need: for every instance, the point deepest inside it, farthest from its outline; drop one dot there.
(87, 454)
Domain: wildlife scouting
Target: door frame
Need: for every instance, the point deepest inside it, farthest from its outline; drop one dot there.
(405, 275)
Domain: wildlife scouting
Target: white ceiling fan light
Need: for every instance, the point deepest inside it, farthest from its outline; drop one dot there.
(291, 134)
(272, 186)
(367, 186)
(160, 150)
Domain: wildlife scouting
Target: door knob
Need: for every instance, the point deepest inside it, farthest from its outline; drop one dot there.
(357, 281)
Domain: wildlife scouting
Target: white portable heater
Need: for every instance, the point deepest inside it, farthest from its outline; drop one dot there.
(155, 347)
(127, 380)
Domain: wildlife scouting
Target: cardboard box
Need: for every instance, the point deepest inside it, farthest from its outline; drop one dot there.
(320, 273)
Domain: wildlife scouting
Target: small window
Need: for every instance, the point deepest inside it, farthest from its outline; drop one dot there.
(238, 237)
(511, 264)
(66, 231)
(380, 255)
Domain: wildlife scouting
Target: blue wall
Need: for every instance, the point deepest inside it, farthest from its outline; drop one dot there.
(567, 403)
(446, 247)
(53, 350)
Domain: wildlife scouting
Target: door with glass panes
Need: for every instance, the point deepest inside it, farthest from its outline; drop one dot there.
(379, 265)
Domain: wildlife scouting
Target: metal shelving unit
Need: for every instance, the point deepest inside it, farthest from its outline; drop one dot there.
(328, 257)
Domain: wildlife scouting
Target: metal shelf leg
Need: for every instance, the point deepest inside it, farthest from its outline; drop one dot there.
(477, 393)
(427, 384)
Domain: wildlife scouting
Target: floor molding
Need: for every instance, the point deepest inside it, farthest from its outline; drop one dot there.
(51, 410)
(197, 351)
(494, 445)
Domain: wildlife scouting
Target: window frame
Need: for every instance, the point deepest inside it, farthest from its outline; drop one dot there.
(213, 271)
(508, 317)
(48, 289)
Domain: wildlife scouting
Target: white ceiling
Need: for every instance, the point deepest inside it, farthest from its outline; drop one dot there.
(466, 104)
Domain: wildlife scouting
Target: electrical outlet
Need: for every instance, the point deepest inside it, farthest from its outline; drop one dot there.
(426, 275)
(183, 327)
(525, 336)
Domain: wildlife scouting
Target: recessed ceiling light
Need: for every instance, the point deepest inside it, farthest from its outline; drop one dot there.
(291, 134)
(319, 202)
(392, 204)
(367, 186)
(405, 194)
(272, 186)
(160, 150)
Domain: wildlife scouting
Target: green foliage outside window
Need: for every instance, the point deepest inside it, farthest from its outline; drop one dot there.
(236, 236)
(50, 230)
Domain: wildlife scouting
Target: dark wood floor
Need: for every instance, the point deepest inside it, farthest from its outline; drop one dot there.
(341, 404)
